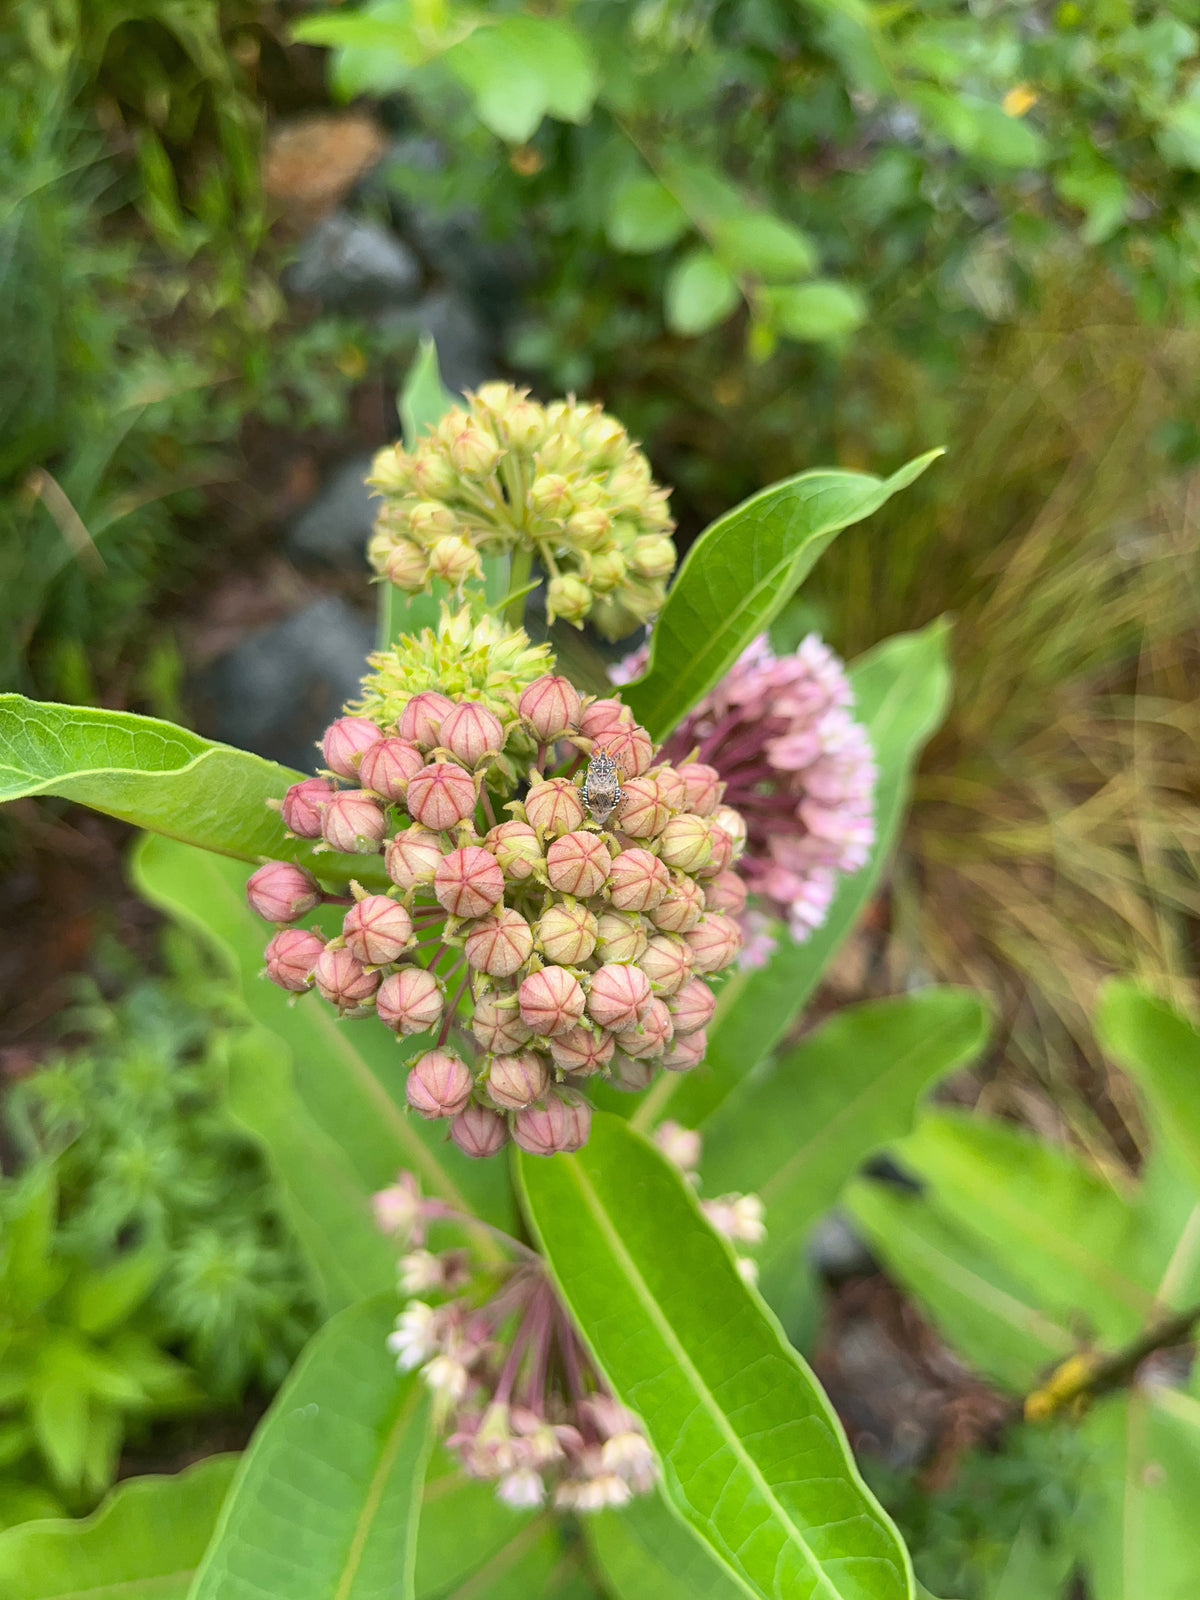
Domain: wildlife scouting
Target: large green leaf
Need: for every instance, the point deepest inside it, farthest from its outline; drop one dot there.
(347, 1079)
(159, 777)
(795, 1134)
(1162, 1051)
(753, 1457)
(146, 1540)
(646, 1553)
(326, 1501)
(738, 576)
(901, 689)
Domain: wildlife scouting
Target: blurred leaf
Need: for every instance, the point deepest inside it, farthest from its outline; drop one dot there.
(901, 689)
(145, 1540)
(766, 246)
(59, 1412)
(796, 1134)
(522, 67)
(1161, 1049)
(29, 1217)
(645, 1552)
(106, 1296)
(980, 128)
(700, 293)
(643, 216)
(424, 399)
(326, 1500)
(1101, 194)
(813, 311)
(1034, 1567)
(1178, 138)
(739, 575)
(466, 1529)
(753, 1457)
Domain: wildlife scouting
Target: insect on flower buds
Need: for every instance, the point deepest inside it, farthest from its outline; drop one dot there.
(345, 742)
(291, 957)
(560, 1124)
(354, 822)
(301, 808)
(551, 706)
(439, 1084)
(440, 795)
(282, 892)
(479, 1132)
(377, 930)
(410, 1001)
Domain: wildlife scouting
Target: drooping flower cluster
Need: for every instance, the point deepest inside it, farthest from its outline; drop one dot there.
(523, 1404)
(737, 1217)
(571, 941)
(504, 473)
(796, 765)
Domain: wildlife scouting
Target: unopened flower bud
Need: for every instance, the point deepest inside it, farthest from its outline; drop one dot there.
(739, 1217)
(651, 1036)
(515, 1082)
(454, 559)
(439, 1084)
(440, 795)
(667, 962)
(391, 470)
(618, 996)
(387, 767)
(714, 942)
(566, 934)
(377, 930)
(550, 706)
(433, 475)
(515, 846)
(550, 496)
(631, 747)
(704, 787)
(727, 893)
(652, 556)
(499, 944)
(672, 790)
(554, 806)
(406, 566)
(734, 824)
(638, 881)
(413, 857)
(560, 1124)
(474, 452)
(722, 852)
(479, 1132)
(421, 718)
(280, 891)
(582, 1050)
(353, 821)
(684, 1054)
(410, 1001)
(344, 743)
(681, 1146)
(631, 1076)
(691, 1007)
(606, 569)
(589, 528)
(620, 936)
(397, 1209)
(470, 732)
(551, 1001)
(343, 980)
(567, 597)
(602, 719)
(468, 882)
(682, 906)
(498, 1024)
(578, 864)
(430, 521)
(301, 808)
(291, 957)
(643, 813)
(686, 843)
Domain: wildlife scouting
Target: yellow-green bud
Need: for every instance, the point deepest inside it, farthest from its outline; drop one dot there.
(454, 560)
(392, 470)
(652, 556)
(429, 521)
(475, 452)
(604, 440)
(434, 476)
(589, 528)
(407, 566)
(606, 570)
(495, 396)
(522, 426)
(550, 495)
(568, 597)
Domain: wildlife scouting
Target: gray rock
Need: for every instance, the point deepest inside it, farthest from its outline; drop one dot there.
(354, 262)
(464, 346)
(280, 688)
(333, 530)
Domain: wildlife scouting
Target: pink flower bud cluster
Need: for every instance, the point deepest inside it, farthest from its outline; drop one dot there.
(798, 768)
(525, 1407)
(575, 937)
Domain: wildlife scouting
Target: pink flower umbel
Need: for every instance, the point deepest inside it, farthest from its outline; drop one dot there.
(515, 1389)
(779, 734)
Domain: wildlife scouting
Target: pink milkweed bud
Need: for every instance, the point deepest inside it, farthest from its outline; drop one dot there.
(643, 813)
(551, 1001)
(682, 907)
(470, 732)
(377, 930)
(422, 717)
(667, 962)
(291, 957)
(582, 1050)
(651, 1036)
(714, 941)
(388, 765)
(560, 1124)
(578, 864)
(499, 944)
(280, 891)
(515, 846)
(686, 843)
(620, 936)
(412, 857)
(566, 935)
(722, 853)
(439, 1084)
(410, 1001)
(454, 559)
(498, 1024)
(671, 788)
(354, 822)
(734, 824)
(514, 1082)
(301, 808)
(342, 980)
(479, 1132)
(554, 806)
(440, 795)
(468, 882)
(603, 719)
(631, 748)
(345, 742)
(631, 1076)
(726, 892)
(685, 1054)
(638, 881)
(704, 787)
(551, 706)
(618, 996)
(692, 1007)
(407, 566)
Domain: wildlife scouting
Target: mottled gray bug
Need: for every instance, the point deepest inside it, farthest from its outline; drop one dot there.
(602, 791)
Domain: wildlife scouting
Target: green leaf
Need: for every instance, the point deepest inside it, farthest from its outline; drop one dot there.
(159, 777)
(643, 216)
(424, 399)
(753, 1457)
(1161, 1049)
(795, 1135)
(1178, 138)
(645, 1552)
(562, 56)
(700, 293)
(740, 574)
(104, 1297)
(901, 689)
(766, 246)
(813, 311)
(980, 128)
(522, 67)
(326, 1501)
(29, 1216)
(146, 1540)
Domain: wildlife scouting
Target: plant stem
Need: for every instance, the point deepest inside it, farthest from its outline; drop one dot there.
(1090, 1373)
(518, 579)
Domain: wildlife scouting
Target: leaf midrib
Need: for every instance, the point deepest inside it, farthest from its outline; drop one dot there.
(374, 1498)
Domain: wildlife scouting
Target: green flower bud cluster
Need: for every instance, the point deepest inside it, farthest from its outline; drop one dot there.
(562, 483)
